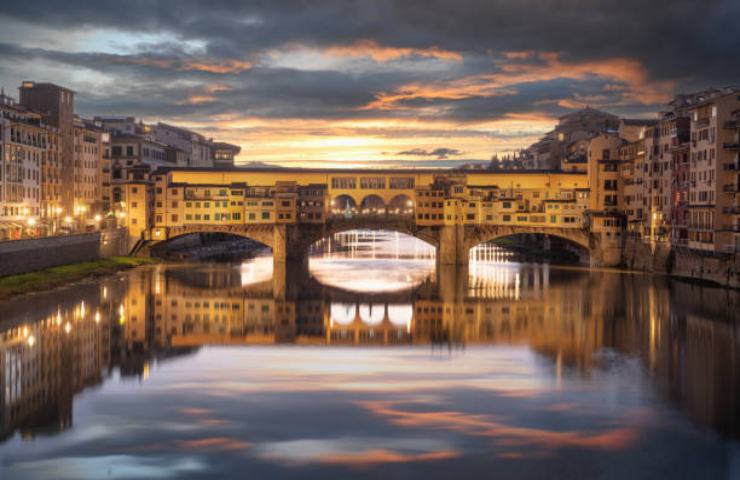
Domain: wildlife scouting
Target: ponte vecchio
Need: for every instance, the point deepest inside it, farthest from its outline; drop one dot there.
(289, 209)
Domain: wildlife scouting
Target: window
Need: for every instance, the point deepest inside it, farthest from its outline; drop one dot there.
(373, 183)
(265, 215)
(344, 183)
(401, 183)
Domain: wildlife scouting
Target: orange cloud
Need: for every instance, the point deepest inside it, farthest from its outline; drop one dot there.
(381, 53)
(199, 99)
(225, 66)
(628, 72)
(505, 435)
(221, 443)
(375, 457)
(187, 65)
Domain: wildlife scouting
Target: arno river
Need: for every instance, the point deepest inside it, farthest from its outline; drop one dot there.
(371, 363)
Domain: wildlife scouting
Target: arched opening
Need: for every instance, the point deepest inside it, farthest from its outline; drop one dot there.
(372, 314)
(372, 205)
(371, 261)
(530, 248)
(344, 205)
(401, 205)
(210, 246)
(342, 313)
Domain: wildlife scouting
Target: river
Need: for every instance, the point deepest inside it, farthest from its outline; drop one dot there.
(370, 362)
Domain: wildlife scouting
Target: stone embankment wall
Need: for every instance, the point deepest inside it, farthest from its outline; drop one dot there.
(720, 268)
(21, 256)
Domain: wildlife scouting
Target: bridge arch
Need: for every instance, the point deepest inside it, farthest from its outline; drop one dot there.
(371, 314)
(343, 313)
(372, 204)
(402, 225)
(344, 203)
(261, 234)
(401, 204)
(482, 235)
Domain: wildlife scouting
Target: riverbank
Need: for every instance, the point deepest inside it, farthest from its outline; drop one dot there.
(49, 278)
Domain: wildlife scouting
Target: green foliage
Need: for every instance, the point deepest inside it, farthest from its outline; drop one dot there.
(57, 276)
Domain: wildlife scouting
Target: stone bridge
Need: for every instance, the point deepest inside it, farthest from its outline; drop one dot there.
(290, 242)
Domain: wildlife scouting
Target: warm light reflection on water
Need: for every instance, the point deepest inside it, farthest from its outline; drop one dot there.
(370, 261)
(528, 371)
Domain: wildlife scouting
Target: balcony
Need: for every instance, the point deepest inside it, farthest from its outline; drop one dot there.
(731, 228)
(733, 166)
(733, 210)
(732, 125)
(730, 188)
(702, 123)
(734, 146)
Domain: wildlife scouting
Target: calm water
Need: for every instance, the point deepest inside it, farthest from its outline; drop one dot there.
(371, 364)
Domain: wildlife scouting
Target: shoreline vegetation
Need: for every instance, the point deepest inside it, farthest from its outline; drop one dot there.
(54, 277)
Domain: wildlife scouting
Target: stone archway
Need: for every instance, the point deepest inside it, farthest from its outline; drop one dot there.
(372, 205)
(401, 205)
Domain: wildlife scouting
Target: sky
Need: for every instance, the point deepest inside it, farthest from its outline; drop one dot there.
(351, 83)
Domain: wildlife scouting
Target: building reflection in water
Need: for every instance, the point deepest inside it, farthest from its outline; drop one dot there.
(684, 334)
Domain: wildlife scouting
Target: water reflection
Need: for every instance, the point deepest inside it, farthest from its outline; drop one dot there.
(537, 363)
(371, 261)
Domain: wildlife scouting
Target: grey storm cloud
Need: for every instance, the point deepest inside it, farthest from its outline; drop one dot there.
(211, 57)
(441, 153)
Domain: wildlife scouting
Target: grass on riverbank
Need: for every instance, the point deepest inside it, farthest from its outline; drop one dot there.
(49, 278)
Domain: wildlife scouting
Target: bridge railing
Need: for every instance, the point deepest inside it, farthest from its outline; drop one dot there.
(372, 214)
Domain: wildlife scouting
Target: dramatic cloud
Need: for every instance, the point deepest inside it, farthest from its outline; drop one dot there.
(339, 81)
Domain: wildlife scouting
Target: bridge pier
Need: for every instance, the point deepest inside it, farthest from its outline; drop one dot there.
(606, 251)
(289, 278)
(452, 249)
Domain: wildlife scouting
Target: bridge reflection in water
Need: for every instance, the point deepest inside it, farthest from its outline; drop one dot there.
(570, 316)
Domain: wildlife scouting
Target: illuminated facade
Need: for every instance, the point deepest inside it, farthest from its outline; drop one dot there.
(289, 209)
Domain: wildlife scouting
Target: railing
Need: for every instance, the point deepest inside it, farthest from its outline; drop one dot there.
(731, 145)
(734, 210)
(730, 188)
(731, 228)
(734, 166)
(371, 214)
(732, 125)
(702, 122)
